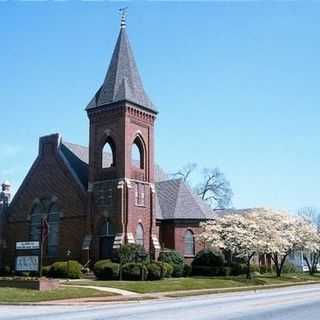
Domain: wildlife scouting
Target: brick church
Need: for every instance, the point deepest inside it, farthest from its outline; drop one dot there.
(97, 198)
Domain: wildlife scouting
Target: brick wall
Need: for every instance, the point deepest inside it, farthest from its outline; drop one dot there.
(49, 178)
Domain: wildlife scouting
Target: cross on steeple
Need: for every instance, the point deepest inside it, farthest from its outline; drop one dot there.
(123, 12)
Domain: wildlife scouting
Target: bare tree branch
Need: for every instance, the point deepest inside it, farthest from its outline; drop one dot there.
(215, 189)
(185, 172)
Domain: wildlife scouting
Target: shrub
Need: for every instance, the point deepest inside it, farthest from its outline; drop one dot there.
(134, 271)
(154, 271)
(187, 270)
(208, 271)
(106, 270)
(254, 268)
(166, 269)
(5, 271)
(178, 270)
(175, 259)
(208, 263)
(130, 253)
(238, 268)
(208, 258)
(171, 256)
(46, 271)
(66, 269)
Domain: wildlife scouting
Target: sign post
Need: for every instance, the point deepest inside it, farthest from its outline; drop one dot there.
(43, 237)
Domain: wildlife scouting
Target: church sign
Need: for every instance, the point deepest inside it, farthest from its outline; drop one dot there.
(27, 263)
(28, 245)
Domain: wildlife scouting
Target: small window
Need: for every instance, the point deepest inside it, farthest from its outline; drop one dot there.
(140, 235)
(139, 194)
(188, 243)
(108, 154)
(137, 153)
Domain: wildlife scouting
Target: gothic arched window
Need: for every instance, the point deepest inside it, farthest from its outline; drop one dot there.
(36, 216)
(140, 235)
(137, 153)
(188, 243)
(109, 154)
(53, 235)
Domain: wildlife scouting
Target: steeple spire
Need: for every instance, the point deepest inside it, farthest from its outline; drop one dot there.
(122, 81)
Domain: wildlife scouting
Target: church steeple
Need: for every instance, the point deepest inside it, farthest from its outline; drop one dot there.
(122, 81)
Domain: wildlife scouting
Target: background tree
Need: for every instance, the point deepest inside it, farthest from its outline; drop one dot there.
(214, 188)
(185, 172)
(309, 244)
(311, 214)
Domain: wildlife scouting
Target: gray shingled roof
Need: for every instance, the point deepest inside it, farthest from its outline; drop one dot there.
(177, 201)
(174, 199)
(122, 81)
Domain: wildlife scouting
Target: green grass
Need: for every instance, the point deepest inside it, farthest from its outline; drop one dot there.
(14, 295)
(194, 283)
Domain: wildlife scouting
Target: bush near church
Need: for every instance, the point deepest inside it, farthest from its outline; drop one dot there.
(65, 269)
(154, 271)
(134, 271)
(209, 263)
(106, 270)
(130, 253)
(175, 259)
(166, 269)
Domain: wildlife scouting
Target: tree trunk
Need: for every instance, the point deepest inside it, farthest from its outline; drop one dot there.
(248, 265)
(279, 266)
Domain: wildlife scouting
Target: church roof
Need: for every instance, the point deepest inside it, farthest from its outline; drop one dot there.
(177, 201)
(122, 81)
(174, 199)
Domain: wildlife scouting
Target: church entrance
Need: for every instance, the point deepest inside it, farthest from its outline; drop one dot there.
(106, 236)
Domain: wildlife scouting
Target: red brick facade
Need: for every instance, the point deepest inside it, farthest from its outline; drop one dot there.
(97, 204)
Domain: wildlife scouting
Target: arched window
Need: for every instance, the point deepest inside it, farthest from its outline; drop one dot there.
(109, 154)
(53, 235)
(140, 235)
(137, 153)
(188, 243)
(36, 216)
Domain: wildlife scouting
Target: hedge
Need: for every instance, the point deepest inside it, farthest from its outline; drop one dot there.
(70, 269)
(106, 270)
(154, 271)
(134, 271)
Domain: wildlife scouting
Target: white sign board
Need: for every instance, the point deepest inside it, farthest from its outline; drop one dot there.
(27, 263)
(28, 245)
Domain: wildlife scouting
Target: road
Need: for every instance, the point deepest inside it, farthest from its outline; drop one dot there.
(278, 304)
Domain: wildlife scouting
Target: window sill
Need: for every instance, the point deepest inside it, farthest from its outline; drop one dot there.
(189, 256)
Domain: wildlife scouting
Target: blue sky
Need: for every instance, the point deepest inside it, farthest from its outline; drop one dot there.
(236, 84)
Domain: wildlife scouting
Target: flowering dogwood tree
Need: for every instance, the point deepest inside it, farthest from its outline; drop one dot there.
(309, 244)
(263, 231)
(239, 234)
(280, 231)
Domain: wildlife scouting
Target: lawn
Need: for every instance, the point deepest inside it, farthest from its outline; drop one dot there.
(14, 295)
(193, 283)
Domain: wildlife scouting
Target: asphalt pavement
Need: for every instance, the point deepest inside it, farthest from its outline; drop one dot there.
(292, 303)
